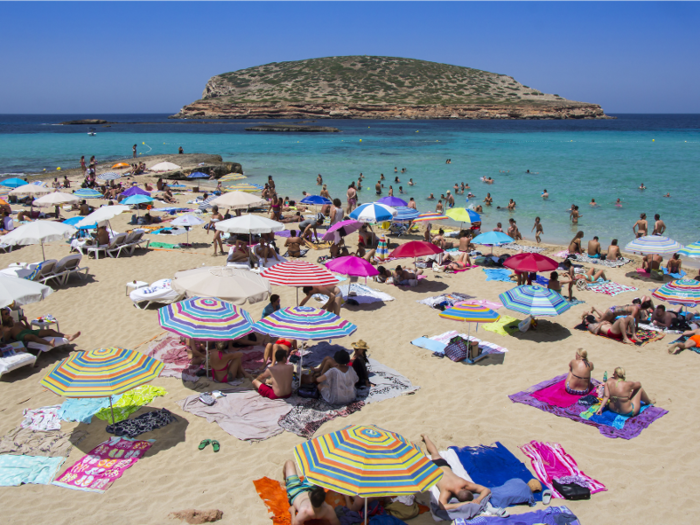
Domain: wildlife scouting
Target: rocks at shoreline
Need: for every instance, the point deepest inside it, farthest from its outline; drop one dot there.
(293, 128)
(86, 121)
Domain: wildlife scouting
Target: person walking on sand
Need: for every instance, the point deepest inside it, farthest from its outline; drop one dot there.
(216, 217)
(538, 229)
(82, 164)
(352, 198)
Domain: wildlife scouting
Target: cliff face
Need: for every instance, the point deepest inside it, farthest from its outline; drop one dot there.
(573, 110)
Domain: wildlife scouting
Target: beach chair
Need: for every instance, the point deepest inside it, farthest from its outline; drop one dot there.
(136, 241)
(14, 356)
(43, 272)
(70, 265)
(94, 249)
(159, 292)
(117, 245)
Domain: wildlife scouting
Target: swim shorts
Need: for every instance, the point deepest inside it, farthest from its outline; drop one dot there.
(267, 391)
(695, 339)
(441, 463)
(295, 487)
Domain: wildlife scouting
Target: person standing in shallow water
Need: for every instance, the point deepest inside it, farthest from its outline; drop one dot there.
(134, 150)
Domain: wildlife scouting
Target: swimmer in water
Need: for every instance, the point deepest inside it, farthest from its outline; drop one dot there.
(545, 195)
(431, 198)
(642, 186)
(618, 203)
(667, 195)
(593, 203)
(410, 182)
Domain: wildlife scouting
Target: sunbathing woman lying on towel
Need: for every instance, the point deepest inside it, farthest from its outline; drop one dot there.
(639, 310)
(621, 330)
(578, 382)
(625, 396)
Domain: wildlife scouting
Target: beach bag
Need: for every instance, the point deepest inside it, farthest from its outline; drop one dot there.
(572, 491)
(457, 348)
(309, 391)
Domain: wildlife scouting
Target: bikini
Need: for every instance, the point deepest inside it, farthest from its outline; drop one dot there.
(225, 379)
(578, 392)
(631, 413)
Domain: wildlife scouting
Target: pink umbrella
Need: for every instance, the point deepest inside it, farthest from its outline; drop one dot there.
(341, 229)
(415, 249)
(531, 262)
(353, 266)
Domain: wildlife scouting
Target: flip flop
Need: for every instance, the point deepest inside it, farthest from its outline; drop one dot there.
(215, 445)
(203, 444)
(546, 496)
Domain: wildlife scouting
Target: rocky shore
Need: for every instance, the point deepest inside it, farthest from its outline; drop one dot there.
(293, 128)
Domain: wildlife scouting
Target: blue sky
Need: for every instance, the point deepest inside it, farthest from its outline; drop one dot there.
(95, 57)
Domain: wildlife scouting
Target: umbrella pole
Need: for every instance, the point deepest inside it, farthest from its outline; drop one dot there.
(112, 409)
(42, 250)
(207, 364)
(366, 511)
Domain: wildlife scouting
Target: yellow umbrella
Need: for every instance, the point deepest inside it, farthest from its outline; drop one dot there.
(232, 176)
(459, 215)
(250, 188)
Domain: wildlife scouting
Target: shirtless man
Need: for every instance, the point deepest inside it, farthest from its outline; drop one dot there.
(498, 228)
(335, 297)
(450, 199)
(378, 187)
(102, 236)
(307, 502)
(412, 203)
(438, 208)
(21, 333)
(276, 381)
(431, 198)
(665, 318)
(637, 310)
(403, 276)
(594, 248)
(621, 330)
(641, 226)
(613, 251)
(513, 230)
(465, 242)
(545, 194)
(293, 244)
(652, 262)
(307, 227)
(488, 200)
(659, 225)
(693, 341)
(452, 486)
(352, 198)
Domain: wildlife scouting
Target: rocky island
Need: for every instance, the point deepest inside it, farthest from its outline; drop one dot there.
(293, 128)
(367, 87)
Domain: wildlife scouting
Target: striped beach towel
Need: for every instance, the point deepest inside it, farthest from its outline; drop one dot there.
(611, 288)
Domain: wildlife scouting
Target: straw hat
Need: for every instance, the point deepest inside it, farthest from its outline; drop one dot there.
(360, 345)
(448, 191)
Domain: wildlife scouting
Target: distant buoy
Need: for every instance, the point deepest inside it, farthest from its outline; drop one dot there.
(653, 140)
(360, 140)
(44, 169)
(143, 143)
(58, 169)
(416, 131)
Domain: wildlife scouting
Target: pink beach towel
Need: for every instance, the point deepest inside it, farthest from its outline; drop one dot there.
(551, 462)
(563, 254)
(482, 302)
(556, 395)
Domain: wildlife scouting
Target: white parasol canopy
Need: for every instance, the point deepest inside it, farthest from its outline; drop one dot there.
(226, 283)
(237, 199)
(38, 232)
(102, 214)
(21, 291)
(165, 166)
(31, 189)
(249, 224)
(56, 198)
(187, 220)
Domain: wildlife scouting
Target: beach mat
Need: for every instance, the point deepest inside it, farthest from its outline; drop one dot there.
(164, 245)
(548, 516)
(646, 336)
(506, 325)
(610, 288)
(631, 429)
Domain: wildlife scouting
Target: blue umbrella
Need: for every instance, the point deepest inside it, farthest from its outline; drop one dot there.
(75, 220)
(14, 182)
(135, 190)
(475, 217)
(492, 239)
(373, 212)
(316, 200)
(405, 213)
(87, 193)
(136, 199)
(392, 201)
(197, 175)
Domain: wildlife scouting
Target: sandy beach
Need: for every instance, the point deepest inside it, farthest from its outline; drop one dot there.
(649, 479)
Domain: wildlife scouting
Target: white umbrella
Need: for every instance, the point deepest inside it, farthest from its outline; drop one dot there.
(56, 198)
(103, 214)
(226, 283)
(38, 232)
(187, 221)
(249, 224)
(31, 189)
(654, 244)
(21, 291)
(237, 199)
(165, 166)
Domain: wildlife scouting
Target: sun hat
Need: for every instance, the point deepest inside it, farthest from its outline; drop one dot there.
(360, 345)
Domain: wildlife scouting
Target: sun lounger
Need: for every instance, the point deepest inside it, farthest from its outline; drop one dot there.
(13, 362)
(43, 272)
(159, 292)
(69, 265)
(117, 245)
(135, 240)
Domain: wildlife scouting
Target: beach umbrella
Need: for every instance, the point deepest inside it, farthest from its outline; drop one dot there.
(165, 166)
(21, 291)
(14, 182)
(250, 224)
(366, 461)
(471, 313)
(352, 266)
(492, 239)
(56, 198)
(653, 244)
(382, 252)
(136, 199)
(105, 213)
(120, 165)
(373, 213)
(31, 189)
(691, 250)
(341, 229)
(430, 217)
(237, 199)
(135, 190)
(404, 213)
(110, 175)
(531, 262)
(535, 301)
(680, 291)
(38, 232)
(298, 273)
(223, 282)
(392, 201)
(197, 175)
(206, 203)
(232, 176)
(459, 215)
(316, 200)
(415, 249)
(187, 221)
(304, 322)
(246, 187)
(87, 193)
(73, 221)
(101, 373)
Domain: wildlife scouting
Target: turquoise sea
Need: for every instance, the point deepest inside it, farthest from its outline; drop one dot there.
(576, 161)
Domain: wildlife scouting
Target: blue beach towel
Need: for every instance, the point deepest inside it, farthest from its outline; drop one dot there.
(82, 410)
(434, 346)
(497, 274)
(493, 466)
(15, 470)
(675, 275)
(543, 281)
(549, 516)
(613, 419)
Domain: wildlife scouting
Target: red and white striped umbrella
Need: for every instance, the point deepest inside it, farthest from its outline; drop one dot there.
(299, 273)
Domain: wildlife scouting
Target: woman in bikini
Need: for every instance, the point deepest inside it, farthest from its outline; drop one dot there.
(621, 330)
(575, 244)
(216, 217)
(578, 382)
(226, 366)
(461, 262)
(639, 310)
(625, 397)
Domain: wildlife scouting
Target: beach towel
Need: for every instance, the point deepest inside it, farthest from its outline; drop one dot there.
(521, 248)
(562, 254)
(645, 336)
(103, 465)
(632, 428)
(574, 302)
(312, 356)
(275, 498)
(608, 417)
(556, 395)
(44, 418)
(130, 402)
(497, 274)
(82, 410)
(492, 466)
(164, 245)
(361, 293)
(484, 345)
(542, 281)
(610, 288)
(173, 353)
(243, 414)
(580, 257)
(506, 325)
(551, 462)
(307, 415)
(26, 442)
(387, 383)
(445, 300)
(513, 492)
(15, 470)
(482, 302)
(147, 422)
(548, 516)
(434, 346)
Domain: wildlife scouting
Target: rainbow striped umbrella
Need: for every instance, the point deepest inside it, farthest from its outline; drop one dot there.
(680, 291)
(691, 250)
(206, 319)
(535, 301)
(304, 322)
(101, 373)
(654, 244)
(471, 313)
(87, 193)
(366, 461)
(430, 216)
(299, 273)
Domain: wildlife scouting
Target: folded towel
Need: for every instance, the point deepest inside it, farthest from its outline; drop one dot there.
(497, 274)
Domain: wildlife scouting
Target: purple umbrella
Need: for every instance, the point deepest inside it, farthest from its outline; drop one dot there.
(392, 201)
(341, 229)
(135, 190)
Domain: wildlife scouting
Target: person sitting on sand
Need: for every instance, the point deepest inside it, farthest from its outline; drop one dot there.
(335, 297)
(674, 264)
(594, 248)
(652, 262)
(225, 364)
(84, 208)
(452, 486)
(338, 249)
(240, 254)
(578, 382)
(337, 384)
(404, 277)
(264, 251)
(293, 244)
(613, 251)
(465, 241)
(276, 381)
(307, 502)
(358, 361)
(575, 244)
(626, 397)
(287, 345)
(621, 330)
(19, 332)
(440, 241)
(362, 252)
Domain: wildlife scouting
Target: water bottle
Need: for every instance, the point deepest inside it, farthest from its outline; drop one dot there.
(605, 376)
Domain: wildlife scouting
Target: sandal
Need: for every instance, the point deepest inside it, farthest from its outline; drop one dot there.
(546, 496)
(215, 445)
(203, 444)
